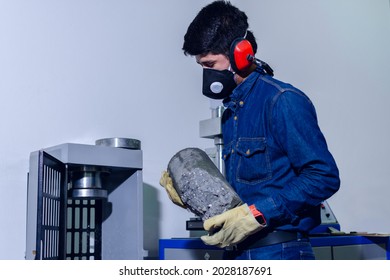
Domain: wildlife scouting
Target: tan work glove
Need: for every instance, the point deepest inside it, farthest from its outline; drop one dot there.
(166, 182)
(235, 225)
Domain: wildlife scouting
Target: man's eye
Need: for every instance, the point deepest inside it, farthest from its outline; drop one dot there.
(209, 65)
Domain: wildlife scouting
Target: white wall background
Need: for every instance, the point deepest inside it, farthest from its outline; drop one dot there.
(77, 71)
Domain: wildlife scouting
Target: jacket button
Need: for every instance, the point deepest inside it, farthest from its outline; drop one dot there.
(241, 103)
(248, 152)
(235, 118)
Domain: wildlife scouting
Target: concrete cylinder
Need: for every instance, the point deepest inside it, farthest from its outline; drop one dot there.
(200, 185)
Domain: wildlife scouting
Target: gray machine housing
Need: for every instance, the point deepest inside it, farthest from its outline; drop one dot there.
(60, 226)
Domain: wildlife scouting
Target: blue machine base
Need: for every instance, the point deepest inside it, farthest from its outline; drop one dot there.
(346, 246)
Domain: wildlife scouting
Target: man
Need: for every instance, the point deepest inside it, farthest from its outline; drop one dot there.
(276, 157)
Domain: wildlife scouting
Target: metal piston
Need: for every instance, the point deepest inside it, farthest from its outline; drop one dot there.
(86, 183)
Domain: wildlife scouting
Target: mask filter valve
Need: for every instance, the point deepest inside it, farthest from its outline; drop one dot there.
(216, 87)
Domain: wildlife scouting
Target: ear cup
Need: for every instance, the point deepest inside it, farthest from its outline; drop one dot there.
(241, 55)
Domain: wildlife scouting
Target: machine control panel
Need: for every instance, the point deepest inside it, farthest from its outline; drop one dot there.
(327, 216)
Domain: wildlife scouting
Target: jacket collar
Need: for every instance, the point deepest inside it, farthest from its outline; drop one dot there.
(243, 89)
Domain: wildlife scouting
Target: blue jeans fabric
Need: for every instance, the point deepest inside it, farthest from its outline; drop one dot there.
(293, 250)
(275, 154)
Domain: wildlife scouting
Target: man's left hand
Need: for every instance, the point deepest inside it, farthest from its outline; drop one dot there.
(231, 227)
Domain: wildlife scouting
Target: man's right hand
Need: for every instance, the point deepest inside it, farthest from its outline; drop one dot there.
(166, 182)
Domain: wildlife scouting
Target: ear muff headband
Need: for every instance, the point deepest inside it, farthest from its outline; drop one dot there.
(241, 55)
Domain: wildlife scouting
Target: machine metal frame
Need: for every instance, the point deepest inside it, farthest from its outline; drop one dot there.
(62, 226)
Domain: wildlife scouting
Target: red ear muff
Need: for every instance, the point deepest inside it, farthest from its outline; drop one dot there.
(241, 55)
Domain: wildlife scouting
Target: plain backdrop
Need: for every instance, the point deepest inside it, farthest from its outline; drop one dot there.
(80, 70)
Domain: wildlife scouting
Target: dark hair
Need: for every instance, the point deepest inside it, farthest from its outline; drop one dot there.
(214, 28)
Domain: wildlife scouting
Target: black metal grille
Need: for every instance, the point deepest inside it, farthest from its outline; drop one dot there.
(66, 228)
(83, 230)
(50, 208)
(51, 213)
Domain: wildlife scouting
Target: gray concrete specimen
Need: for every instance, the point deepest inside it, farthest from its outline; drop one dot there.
(200, 185)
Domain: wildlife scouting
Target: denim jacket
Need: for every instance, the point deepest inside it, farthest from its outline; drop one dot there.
(275, 154)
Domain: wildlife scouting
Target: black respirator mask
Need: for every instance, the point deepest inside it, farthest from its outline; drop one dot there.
(218, 84)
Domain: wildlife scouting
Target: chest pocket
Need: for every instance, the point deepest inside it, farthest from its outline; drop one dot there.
(253, 161)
